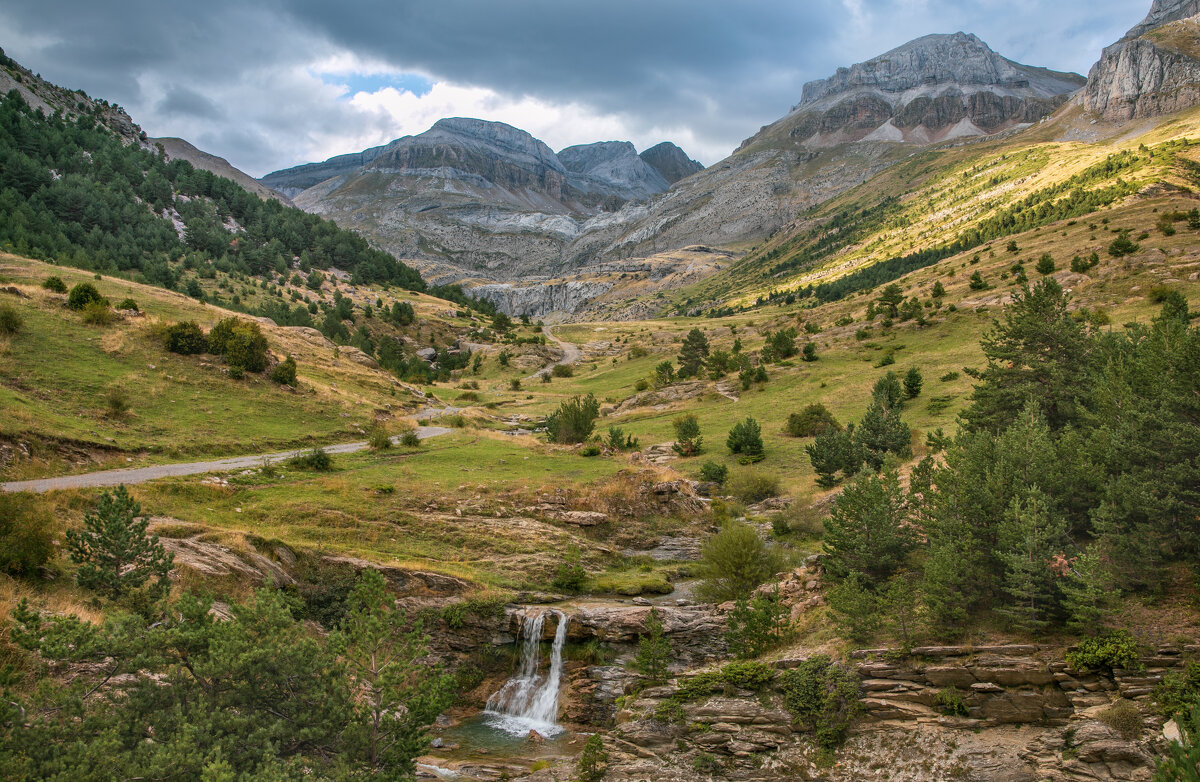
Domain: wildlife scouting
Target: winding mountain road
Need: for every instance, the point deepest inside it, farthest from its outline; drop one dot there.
(143, 474)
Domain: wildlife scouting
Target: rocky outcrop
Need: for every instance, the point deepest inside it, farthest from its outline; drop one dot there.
(671, 162)
(540, 299)
(934, 88)
(1153, 70)
(611, 168)
(293, 181)
(1027, 717)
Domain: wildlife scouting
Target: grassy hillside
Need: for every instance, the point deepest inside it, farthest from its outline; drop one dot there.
(56, 374)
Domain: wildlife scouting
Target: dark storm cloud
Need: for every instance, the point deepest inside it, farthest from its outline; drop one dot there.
(185, 101)
(717, 68)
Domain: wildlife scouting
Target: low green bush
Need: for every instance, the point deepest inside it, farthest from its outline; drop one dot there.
(26, 537)
(752, 484)
(317, 459)
(11, 321)
(284, 373)
(1124, 717)
(1116, 649)
(824, 697)
(186, 338)
(813, 420)
(84, 294)
(55, 284)
(97, 314)
(950, 703)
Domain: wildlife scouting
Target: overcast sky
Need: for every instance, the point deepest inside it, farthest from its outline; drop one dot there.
(276, 83)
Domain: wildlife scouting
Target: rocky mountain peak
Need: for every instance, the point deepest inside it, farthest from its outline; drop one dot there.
(495, 138)
(931, 89)
(611, 168)
(1164, 12)
(671, 161)
(1153, 70)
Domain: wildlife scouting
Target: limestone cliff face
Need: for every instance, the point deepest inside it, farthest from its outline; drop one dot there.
(1153, 70)
(936, 87)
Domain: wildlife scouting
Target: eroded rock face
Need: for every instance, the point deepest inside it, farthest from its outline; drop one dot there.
(1153, 70)
(611, 168)
(938, 86)
(540, 299)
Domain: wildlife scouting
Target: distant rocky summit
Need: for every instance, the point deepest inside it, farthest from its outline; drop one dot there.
(671, 161)
(1153, 70)
(612, 168)
(934, 88)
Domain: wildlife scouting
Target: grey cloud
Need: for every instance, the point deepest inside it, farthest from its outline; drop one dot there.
(182, 100)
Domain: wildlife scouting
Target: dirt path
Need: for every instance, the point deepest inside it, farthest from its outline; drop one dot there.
(571, 353)
(143, 474)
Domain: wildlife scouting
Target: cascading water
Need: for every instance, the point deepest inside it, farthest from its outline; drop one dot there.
(529, 700)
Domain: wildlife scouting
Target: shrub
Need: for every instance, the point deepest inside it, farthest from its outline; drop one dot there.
(1122, 246)
(714, 472)
(514, 384)
(750, 485)
(745, 440)
(641, 385)
(563, 370)
(379, 440)
(748, 675)
(950, 702)
(84, 294)
(949, 377)
(11, 321)
(687, 435)
(26, 539)
(591, 449)
(735, 561)
(241, 342)
(1124, 717)
(128, 304)
(284, 373)
(810, 351)
(1045, 264)
(410, 439)
(618, 440)
(186, 339)
(1178, 691)
(757, 626)
(96, 314)
(116, 401)
(574, 420)
(316, 459)
(813, 420)
(570, 576)
(1116, 649)
(824, 697)
(976, 282)
(54, 284)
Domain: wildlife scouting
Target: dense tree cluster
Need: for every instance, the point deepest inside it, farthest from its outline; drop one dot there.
(1075, 477)
(71, 191)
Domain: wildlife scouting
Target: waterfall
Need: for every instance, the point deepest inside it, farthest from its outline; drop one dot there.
(529, 701)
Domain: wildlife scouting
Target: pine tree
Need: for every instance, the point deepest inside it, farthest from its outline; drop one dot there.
(887, 390)
(868, 531)
(693, 353)
(654, 649)
(882, 432)
(1030, 539)
(912, 383)
(687, 435)
(114, 551)
(593, 761)
(834, 451)
(399, 692)
(745, 440)
(1039, 353)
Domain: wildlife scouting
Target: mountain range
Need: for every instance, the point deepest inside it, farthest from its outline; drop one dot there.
(485, 202)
